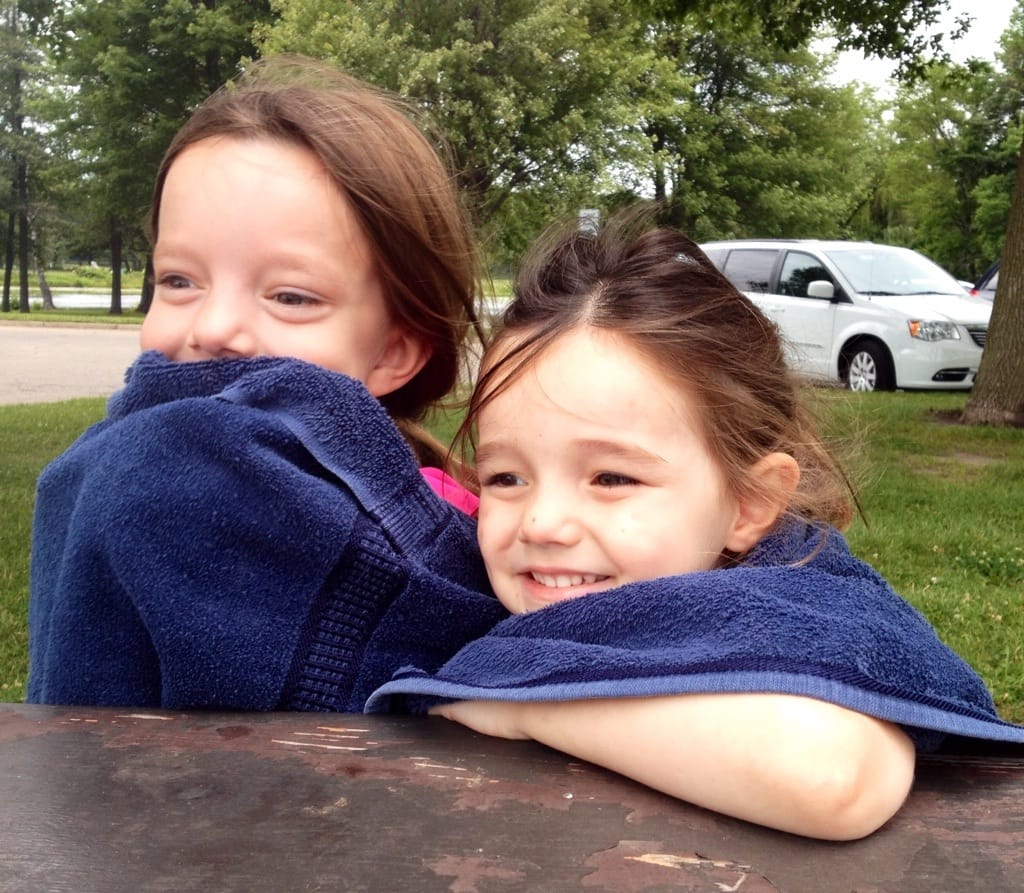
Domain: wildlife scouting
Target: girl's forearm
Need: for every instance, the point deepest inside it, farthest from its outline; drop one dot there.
(787, 762)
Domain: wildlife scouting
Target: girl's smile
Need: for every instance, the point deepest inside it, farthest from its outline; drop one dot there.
(555, 586)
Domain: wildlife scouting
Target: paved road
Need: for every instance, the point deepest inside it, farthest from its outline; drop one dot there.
(41, 364)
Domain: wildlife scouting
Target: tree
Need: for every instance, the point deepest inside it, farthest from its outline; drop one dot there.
(552, 106)
(903, 30)
(530, 95)
(19, 29)
(997, 397)
(948, 167)
(741, 150)
(135, 70)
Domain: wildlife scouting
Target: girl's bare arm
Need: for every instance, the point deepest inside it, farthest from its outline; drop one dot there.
(787, 762)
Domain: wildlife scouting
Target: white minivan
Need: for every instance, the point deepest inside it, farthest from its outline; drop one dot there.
(875, 317)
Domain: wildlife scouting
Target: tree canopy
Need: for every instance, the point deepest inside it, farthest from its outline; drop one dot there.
(722, 112)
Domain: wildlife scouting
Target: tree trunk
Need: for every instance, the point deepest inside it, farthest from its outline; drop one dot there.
(998, 394)
(116, 243)
(23, 234)
(658, 145)
(8, 262)
(40, 263)
(15, 124)
(146, 300)
(44, 288)
(17, 119)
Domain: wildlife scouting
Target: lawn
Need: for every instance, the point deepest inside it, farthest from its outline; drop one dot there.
(79, 315)
(944, 522)
(81, 278)
(30, 436)
(943, 519)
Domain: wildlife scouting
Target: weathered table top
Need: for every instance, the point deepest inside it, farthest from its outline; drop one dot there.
(119, 800)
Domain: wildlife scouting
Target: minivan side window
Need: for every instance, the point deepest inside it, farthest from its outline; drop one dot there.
(798, 271)
(750, 269)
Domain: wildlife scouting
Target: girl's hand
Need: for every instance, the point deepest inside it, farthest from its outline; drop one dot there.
(500, 719)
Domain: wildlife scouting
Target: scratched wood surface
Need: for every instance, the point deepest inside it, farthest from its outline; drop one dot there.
(116, 800)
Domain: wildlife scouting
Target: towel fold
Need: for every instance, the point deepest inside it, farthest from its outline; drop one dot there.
(792, 619)
(245, 534)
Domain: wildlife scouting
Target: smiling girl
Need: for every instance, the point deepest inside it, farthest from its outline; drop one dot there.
(660, 514)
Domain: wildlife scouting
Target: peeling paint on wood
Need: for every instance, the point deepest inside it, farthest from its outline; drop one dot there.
(110, 800)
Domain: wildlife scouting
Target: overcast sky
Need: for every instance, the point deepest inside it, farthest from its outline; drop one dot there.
(990, 19)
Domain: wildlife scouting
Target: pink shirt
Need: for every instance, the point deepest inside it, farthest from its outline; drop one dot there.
(450, 490)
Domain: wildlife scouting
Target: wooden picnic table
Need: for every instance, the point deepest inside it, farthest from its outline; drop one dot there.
(109, 800)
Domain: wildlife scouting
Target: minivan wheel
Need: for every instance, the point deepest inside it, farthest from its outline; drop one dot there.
(868, 368)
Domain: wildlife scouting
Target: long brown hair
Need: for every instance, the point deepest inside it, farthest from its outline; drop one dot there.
(397, 182)
(658, 290)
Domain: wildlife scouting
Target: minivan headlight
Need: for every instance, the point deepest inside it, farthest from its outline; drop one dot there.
(932, 330)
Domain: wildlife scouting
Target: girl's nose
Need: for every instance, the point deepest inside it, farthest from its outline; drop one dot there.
(223, 325)
(549, 519)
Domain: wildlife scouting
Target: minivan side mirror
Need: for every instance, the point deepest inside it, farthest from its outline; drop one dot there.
(821, 288)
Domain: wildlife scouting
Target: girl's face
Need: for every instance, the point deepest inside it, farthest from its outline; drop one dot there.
(594, 473)
(259, 254)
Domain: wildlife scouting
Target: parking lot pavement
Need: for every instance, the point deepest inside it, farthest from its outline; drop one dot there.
(42, 364)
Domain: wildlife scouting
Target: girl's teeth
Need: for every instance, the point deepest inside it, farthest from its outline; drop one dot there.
(564, 581)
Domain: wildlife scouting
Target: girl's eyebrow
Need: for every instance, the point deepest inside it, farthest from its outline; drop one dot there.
(618, 450)
(486, 451)
(610, 448)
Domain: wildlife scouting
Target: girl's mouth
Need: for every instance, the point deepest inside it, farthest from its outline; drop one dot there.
(565, 580)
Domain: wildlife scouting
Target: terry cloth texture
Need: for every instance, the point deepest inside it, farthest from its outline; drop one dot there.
(830, 628)
(244, 534)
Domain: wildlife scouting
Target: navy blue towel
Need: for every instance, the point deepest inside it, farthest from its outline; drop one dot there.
(790, 620)
(244, 534)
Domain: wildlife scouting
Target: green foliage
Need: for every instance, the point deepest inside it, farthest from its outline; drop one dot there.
(950, 170)
(895, 29)
(746, 152)
(133, 70)
(23, 24)
(554, 106)
(531, 96)
(82, 276)
(88, 279)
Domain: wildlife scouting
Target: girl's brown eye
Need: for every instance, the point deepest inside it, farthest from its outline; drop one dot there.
(293, 299)
(503, 479)
(613, 479)
(173, 280)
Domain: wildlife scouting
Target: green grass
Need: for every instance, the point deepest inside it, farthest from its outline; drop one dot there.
(944, 522)
(81, 279)
(944, 507)
(30, 436)
(499, 285)
(80, 315)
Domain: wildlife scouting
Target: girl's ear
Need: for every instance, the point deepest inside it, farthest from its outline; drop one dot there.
(772, 481)
(403, 356)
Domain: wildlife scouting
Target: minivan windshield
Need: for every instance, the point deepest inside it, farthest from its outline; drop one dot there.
(882, 270)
